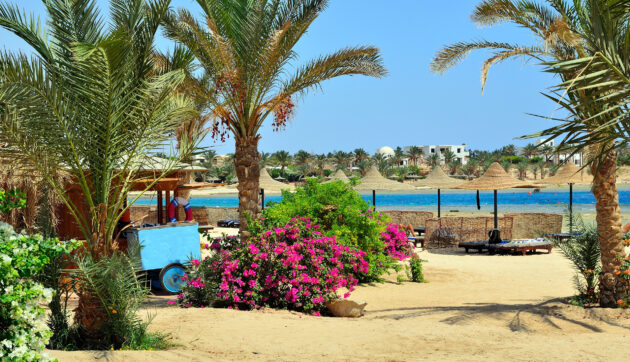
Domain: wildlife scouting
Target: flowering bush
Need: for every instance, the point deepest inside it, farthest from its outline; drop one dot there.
(396, 242)
(342, 213)
(294, 267)
(23, 331)
(201, 289)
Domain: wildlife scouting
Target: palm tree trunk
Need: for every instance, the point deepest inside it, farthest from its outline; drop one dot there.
(247, 162)
(611, 286)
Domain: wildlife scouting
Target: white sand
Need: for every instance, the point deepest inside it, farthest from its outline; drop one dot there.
(474, 307)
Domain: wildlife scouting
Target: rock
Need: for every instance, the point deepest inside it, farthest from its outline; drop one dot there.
(346, 308)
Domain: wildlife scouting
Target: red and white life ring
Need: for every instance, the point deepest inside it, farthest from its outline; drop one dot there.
(173, 205)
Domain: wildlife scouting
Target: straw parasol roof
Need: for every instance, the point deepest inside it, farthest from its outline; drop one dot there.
(339, 176)
(374, 181)
(568, 174)
(495, 178)
(438, 179)
(267, 183)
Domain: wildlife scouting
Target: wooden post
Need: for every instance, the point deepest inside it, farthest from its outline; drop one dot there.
(160, 206)
(438, 202)
(168, 204)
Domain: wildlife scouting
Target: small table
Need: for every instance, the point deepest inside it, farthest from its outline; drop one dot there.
(420, 230)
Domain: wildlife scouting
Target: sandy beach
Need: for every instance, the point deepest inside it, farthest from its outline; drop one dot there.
(474, 307)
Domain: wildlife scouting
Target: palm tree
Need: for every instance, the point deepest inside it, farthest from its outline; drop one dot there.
(522, 169)
(381, 162)
(585, 44)
(89, 103)
(320, 163)
(530, 150)
(453, 167)
(247, 49)
(415, 153)
(360, 155)
(265, 158)
(434, 160)
(449, 156)
(364, 166)
(301, 157)
(283, 158)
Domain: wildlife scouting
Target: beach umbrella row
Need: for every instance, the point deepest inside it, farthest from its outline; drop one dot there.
(568, 174)
(438, 179)
(495, 178)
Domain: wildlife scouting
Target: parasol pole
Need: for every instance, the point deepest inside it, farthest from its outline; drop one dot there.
(496, 221)
(570, 208)
(262, 199)
(374, 199)
(438, 202)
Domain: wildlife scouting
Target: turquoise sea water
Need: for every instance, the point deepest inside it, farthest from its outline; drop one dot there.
(545, 201)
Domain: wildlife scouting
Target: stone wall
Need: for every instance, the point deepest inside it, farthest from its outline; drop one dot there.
(203, 215)
(413, 218)
(532, 225)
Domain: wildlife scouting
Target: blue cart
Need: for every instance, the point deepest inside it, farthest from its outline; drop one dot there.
(164, 250)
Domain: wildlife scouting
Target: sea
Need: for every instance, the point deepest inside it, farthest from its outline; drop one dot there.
(452, 201)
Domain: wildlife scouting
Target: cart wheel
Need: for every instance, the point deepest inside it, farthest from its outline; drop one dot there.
(171, 278)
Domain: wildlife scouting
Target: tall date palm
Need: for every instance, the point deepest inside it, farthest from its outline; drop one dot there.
(585, 43)
(247, 49)
(89, 103)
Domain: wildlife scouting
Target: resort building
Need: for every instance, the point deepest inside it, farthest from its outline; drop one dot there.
(548, 153)
(459, 151)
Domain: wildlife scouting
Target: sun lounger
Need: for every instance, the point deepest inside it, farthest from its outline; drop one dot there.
(229, 223)
(508, 247)
(521, 246)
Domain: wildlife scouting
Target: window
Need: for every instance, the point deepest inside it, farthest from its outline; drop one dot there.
(433, 150)
(459, 150)
(441, 150)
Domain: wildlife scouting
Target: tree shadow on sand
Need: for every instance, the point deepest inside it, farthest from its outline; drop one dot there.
(547, 311)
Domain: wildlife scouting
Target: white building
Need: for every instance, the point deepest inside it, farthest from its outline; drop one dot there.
(561, 157)
(460, 152)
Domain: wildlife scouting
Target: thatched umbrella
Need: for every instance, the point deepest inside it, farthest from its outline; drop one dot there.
(437, 179)
(339, 176)
(495, 179)
(568, 174)
(374, 181)
(268, 184)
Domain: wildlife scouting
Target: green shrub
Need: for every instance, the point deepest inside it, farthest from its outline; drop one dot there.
(115, 289)
(23, 331)
(341, 212)
(583, 250)
(13, 199)
(416, 269)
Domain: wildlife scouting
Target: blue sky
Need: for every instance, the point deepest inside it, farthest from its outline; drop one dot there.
(411, 106)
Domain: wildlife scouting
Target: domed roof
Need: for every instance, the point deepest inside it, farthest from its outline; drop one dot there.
(386, 150)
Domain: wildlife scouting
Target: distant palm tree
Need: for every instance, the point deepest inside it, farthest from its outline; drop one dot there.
(507, 165)
(320, 163)
(434, 160)
(283, 158)
(449, 156)
(340, 159)
(453, 167)
(530, 150)
(360, 155)
(364, 166)
(247, 48)
(381, 162)
(415, 153)
(522, 169)
(265, 159)
(301, 157)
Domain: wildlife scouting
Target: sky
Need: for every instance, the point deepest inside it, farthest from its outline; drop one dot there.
(411, 105)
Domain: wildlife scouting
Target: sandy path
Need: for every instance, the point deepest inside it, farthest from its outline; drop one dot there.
(475, 307)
